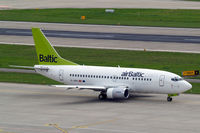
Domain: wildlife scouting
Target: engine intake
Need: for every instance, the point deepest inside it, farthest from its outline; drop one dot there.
(113, 93)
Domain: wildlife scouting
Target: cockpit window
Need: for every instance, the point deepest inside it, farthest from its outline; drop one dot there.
(176, 79)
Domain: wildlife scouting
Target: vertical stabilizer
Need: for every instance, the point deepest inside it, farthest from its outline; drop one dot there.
(46, 54)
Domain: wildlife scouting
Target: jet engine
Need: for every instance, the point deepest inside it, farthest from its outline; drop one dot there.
(121, 93)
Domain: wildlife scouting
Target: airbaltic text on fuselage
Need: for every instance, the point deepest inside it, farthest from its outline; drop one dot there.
(48, 58)
(132, 74)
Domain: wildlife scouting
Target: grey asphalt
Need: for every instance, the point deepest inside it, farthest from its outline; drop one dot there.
(105, 36)
(39, 108)
(193, 80)
(101, 43)
(36, 4)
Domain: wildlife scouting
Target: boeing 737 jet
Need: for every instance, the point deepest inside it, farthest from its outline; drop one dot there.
(111, 82)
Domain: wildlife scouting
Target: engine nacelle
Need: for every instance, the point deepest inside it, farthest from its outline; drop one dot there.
(117, 93)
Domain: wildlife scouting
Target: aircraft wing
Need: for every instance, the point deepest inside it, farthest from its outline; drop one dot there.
(95, 88)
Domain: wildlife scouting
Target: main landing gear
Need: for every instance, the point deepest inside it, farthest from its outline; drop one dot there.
(169, 99)
(102, 96)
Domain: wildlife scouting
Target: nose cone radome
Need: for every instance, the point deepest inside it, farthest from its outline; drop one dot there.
(187, 86)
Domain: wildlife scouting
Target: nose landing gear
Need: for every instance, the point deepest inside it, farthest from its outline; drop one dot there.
(169, 98)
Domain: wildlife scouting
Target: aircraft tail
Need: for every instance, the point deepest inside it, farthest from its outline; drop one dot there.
(46, 54)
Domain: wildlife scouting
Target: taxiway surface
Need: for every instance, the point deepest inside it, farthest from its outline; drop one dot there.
(192, 45)
(39, 108)
(104, 36)
(166, 4)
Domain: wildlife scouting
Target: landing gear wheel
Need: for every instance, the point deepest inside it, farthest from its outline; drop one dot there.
(169, 99)
(102, 96)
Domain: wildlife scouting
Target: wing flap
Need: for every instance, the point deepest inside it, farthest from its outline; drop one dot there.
(95, 88)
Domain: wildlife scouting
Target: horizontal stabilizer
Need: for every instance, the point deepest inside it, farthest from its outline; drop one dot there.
(30, 67)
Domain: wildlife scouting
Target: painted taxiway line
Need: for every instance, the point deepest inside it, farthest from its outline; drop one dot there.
(114, 48)
(58, 128)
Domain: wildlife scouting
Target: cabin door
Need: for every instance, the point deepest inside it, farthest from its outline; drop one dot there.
(162, 81)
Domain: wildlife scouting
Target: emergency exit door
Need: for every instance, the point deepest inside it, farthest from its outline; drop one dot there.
(61, 74)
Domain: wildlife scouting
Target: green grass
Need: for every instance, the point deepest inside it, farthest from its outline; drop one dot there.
(26, 55)
(25, 78)
(173, 62)
(195, 89)
(138, 17)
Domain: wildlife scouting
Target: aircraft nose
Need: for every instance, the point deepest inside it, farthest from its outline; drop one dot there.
(187, 85)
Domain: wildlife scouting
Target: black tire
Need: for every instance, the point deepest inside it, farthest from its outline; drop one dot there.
(102, 96)
(169, 99)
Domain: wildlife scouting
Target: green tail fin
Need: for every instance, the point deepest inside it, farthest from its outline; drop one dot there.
(47, 55)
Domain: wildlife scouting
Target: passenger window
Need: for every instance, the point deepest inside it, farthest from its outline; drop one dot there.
(135, 78)
(80, 75)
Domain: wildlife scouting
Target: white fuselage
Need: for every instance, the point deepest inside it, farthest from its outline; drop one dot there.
(135, 79)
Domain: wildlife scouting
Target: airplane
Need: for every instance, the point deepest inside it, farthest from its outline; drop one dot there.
(111, 82)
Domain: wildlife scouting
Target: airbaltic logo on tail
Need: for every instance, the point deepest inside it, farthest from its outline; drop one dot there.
(48, 58)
